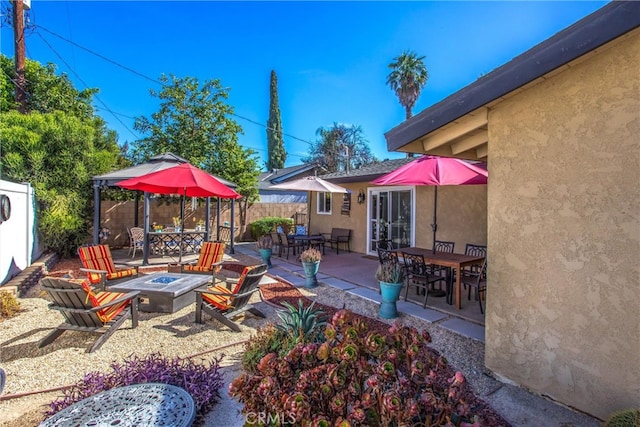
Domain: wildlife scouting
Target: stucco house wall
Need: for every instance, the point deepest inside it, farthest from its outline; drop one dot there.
(462, 215)
(564, 233)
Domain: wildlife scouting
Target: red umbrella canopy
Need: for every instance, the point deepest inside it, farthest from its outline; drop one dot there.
(434, 170)
(184, 179)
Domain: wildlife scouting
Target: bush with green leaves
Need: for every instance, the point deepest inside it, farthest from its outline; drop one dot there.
(268, 224)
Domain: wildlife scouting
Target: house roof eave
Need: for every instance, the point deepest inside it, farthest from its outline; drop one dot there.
(601, 27)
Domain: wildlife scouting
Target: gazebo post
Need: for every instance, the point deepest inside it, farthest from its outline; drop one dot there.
(145, 250)
(96, 212)
(233, 215)
(218, 220)
(207, 219)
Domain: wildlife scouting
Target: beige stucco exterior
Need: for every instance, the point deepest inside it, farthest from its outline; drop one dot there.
(563, 303)
(462, 215)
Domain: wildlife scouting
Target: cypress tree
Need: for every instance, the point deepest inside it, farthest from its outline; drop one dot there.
(275, 143)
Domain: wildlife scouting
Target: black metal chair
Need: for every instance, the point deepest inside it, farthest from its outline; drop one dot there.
(288, 244)
(478, 282)
(418, 275)
(474, 270)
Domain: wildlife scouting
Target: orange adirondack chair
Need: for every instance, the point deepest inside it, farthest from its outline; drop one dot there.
(210, 259)
(99, 266)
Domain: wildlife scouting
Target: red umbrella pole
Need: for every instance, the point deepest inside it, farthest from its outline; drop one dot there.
(434, 226)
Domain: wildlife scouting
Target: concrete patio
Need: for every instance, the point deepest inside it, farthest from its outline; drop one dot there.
(353, 273)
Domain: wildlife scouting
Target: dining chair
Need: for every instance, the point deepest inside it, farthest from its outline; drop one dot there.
(418, 274)
(288, 244)
(472, 270)
(478, 282)
(136, 234)
(443, 246)
(277, 245)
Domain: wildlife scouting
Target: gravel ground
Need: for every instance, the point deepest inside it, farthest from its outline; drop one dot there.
(65, 362)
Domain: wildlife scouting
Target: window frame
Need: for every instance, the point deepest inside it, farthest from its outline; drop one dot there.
(322, 195)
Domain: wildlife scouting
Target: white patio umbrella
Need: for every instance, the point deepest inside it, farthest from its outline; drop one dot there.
(310, 183)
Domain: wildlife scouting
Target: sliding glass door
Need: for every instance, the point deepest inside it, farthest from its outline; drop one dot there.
(391, 217)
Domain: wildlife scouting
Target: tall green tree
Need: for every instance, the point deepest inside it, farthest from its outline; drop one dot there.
(407, 78)
(193, 121)
(340, 148)
(275, 142)
(57, 147)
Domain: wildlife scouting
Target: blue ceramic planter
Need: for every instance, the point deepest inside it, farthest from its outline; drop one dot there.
(310, 271)
(265, 254)
(389, 293)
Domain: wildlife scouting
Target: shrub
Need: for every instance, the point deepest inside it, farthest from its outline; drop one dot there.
(624, 418)
(201, 382)
(357, 377)
(268, 224)
(268, 339)
(9, 305)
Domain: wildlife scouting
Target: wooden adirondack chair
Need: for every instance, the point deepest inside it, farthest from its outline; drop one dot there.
(99, 266)
(86, 311)
(223, 304)
(209, 261)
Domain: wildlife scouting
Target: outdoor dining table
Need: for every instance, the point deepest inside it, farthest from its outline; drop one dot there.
(309, 240)
(446, 259)
(164, 241)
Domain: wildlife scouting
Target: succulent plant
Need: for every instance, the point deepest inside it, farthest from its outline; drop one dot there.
(310, 255)
(303, 324)
(361, 378)
(390, 272)
(264, 242)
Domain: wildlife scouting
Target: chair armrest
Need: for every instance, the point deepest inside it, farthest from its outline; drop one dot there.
(225, 294)
(126, 297)
(127, 267)
(342, 239)
(91, 270)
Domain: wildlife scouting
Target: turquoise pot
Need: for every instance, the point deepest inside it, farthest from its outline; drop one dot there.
(265, 254)
(310, 271)
(389, 293)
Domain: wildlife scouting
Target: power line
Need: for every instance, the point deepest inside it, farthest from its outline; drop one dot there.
(140, 74)
(85, 84)
(158, 81)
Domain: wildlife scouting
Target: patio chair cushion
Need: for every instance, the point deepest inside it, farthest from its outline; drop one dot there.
(100, 298)
(301, 230)
(223, 302)
(98, 257)
(210, 253)
(220, 301)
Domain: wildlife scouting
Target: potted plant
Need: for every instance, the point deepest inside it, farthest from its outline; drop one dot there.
(265, 247)
(311, 263)
(390, 274)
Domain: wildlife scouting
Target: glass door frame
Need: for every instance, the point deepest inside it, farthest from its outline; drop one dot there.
(387, 189)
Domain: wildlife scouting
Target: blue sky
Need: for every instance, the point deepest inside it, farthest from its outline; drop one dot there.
(331, 58)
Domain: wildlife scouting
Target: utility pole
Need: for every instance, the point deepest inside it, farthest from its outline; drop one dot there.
(18, 37)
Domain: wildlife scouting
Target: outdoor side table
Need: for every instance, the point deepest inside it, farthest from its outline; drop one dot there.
(150, 404)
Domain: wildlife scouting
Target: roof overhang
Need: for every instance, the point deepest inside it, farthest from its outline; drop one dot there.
(458, 125)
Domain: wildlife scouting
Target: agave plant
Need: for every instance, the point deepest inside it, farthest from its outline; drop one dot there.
(303, 324)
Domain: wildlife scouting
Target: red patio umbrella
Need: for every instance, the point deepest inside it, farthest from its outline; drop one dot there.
(436, 171)
(183, 179)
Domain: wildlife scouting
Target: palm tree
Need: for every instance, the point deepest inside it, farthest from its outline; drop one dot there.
(407, 78)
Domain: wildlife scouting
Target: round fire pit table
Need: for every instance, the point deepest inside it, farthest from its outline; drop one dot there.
(150, 404)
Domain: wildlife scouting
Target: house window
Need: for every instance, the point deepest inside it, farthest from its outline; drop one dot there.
(324, 203)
